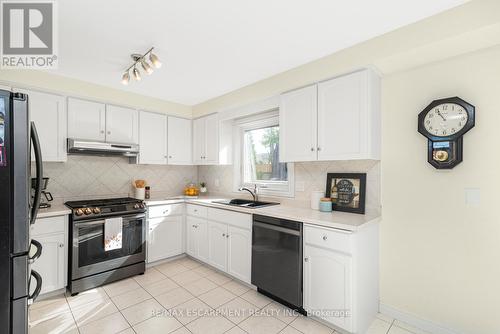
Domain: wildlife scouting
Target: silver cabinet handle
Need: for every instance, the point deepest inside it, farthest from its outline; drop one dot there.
(165, 212)
(223, 234)
(170, 157)
(102, 131)
(61, 245)
(325, 237)
(193, 225)
(312, 149)
(306, 259)
(227, 235)
(195, 210)
(319, 148)
(109, 132)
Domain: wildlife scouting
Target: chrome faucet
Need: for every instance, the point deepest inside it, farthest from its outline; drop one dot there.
(253, 193)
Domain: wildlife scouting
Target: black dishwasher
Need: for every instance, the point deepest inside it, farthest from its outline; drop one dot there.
(277, 259)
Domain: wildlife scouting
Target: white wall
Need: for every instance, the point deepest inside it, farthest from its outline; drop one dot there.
(66, 86)
(440, 259)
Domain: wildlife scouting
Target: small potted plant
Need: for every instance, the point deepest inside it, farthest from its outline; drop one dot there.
(203, 187)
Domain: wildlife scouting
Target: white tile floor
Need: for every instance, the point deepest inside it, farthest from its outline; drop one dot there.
(182, 296)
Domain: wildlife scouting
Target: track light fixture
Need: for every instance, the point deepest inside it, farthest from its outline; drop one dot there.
(141, 59)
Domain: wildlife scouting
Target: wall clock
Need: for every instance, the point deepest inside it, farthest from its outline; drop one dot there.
(444, 123)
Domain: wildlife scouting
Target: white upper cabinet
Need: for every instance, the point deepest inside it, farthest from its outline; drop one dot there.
(179, 141)
(338, 119)
(349, 117)
(298, 124)
(122, 125)
(206, 140)
(48, 111)
(152, 138)
(86, 120)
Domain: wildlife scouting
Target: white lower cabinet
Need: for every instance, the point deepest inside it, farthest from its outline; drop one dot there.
(239, 261)
(165, 238)
(165, 234)
(341, 276)
(217, 245)
(197, 238)
(327, 284)
(52, 263)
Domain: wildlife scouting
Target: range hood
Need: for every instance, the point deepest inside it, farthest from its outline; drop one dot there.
(78, 146)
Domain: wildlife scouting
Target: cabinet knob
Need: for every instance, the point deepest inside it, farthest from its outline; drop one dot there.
(193, 225)
(306, 259)
(195, 210)
(165, 212)
(312, 149)
(109, 132)
(102, 131)
(223, 234)
(61, 245)
(227, 235)
(325, 237)
(319, 148)
(170, 157)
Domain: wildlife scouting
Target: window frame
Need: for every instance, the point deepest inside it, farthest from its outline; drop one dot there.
(265, 188)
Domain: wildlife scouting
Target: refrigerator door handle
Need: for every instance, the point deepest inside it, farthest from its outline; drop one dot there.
(38, 245)
(39, 172)
(34, 295)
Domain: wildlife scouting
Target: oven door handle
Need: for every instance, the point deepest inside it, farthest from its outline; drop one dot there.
(101, 221)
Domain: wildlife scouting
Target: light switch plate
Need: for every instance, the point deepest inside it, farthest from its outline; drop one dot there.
(472, 197)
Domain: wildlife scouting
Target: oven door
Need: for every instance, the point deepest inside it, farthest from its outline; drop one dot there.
(89, 256)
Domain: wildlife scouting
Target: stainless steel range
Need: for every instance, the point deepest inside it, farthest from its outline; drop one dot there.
(90, 263)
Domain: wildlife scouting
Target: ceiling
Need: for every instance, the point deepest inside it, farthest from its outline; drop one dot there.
(209, 48)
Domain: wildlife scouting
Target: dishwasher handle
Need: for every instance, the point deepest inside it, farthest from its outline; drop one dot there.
(277, 228)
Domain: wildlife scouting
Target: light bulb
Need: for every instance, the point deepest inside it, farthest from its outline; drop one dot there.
(125, 78)
(155, 60)
(137, 74)
(146, 66)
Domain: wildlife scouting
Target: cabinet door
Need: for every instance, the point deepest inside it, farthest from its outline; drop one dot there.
(211, 140)
(239, 253)
(122, 125)
(164, 238)
(342, 119)
(217, 245)
(191, 242)
(327, 283)
(202, 240)
(86, 120)
(51, 265)
(298, 125)
(199, 141)
(48, 111)
(179, 141)
(152, 138)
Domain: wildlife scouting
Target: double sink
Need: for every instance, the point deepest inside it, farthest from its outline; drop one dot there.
(245, 203)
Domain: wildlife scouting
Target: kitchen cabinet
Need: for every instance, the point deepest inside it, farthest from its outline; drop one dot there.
(298, 125)
(239, 253)
(122, 125)
(152, 138)
(165, 237)
(48, 111)
(197, 238)
(52, 264)
(206, 140)
(337, 119)
(217, 245)
(165, 233)
(327, 283)
(86, 120)
(230, 242)
(179, 141)
(340, 272)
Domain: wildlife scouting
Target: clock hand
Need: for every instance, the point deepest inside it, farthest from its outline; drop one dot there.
(439, 113)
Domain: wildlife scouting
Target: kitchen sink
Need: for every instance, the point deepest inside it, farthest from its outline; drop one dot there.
(246, 203)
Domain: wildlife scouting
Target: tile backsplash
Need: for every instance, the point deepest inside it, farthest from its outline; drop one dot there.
(309, 176)
(95, 176)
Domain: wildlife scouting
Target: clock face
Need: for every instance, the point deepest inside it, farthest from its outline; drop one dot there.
(445, 119)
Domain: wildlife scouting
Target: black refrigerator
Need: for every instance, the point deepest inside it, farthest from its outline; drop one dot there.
(19, 285)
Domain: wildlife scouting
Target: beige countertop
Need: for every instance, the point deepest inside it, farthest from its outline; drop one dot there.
(336, 219)
(56, 209)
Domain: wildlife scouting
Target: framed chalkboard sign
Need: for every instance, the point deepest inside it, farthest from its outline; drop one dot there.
(347, 191)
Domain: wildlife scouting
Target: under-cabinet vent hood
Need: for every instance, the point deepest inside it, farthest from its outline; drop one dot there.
(77, 146)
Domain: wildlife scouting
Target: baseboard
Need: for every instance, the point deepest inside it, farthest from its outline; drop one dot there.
(415, 321)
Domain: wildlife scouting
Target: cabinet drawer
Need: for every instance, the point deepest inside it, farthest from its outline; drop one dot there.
(328, 238)
(196, 210)
(165, 210)
(242, 220)
(49, 225)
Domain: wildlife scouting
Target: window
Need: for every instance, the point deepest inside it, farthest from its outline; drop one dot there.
(259, 156)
